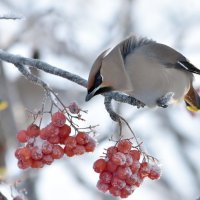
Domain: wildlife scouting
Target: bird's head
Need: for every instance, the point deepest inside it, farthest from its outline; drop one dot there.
(96, 83)
(108, 73)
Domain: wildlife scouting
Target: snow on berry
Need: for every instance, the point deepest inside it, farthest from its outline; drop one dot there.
(103, 187)
(73, 108)
(82, 138)
(58, 119)
(118, 158)
(155, 172)
(111, 150)
(70, 142)
(43, 145)
(91, 145)
(121, 172)
(105, 176)
(57, 152)
(47, 147)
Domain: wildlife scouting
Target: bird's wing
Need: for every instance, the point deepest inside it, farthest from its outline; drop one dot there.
(186, 65)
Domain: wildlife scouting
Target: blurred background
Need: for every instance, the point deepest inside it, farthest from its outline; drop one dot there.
(70, 34)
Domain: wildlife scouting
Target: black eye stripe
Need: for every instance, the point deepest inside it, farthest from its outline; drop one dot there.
(103, 90)
(98, 81)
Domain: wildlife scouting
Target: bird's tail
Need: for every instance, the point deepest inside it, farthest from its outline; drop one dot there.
(192, 100)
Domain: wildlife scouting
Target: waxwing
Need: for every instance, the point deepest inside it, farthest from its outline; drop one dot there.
(153, 73)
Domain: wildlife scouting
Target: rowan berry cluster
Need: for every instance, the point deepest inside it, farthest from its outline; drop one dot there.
(43, 146)
(123, 170)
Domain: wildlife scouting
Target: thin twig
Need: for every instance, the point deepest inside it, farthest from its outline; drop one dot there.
(116, 117)
(11, 17)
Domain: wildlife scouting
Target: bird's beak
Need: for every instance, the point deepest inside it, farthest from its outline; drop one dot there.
(91, 94)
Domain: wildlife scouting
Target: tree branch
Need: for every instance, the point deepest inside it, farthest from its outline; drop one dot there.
(10, 17)
(20, 61)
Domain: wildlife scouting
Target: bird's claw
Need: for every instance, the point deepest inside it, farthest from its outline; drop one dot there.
(165, 100)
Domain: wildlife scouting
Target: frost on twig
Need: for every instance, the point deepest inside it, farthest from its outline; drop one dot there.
(11, 17)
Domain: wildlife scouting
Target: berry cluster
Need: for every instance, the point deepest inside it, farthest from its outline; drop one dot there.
(43, 146)
(122, 170)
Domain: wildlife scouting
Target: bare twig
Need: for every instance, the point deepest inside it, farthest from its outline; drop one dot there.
(116, 117)
(11, 17)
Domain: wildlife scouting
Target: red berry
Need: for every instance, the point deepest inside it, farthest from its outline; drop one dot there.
(126, 191)
(82, 138)
(79, 150)
(37, 164)
(33, 130)
(73, 108)
(47, 147)
(124, 146)
(55, 139)
(51, 130)
(105, 177)
(36, 153)
(70, 142)
(115, 191)
(144, 169)
(47, 159)
(155, 172)
(99, 165)
(44, 134)
(118, 158)
(133, 179)
(103, 187)
(135, 154)
(58, 119)
(135, 166)
(22, 136)
(62, 140)
(123, 172)
(118, 183)
(90, 146)
(69, 151)
(111, 167)
(57, 152)
(24, 164)
(111, 150)
(23, 153)
(64, 131)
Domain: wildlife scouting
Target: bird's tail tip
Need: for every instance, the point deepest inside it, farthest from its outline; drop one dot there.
(192, 108)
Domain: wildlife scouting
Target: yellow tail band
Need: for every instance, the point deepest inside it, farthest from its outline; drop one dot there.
(3, 105)
(193, 109)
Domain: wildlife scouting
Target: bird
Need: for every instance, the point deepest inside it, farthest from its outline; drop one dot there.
(151, 72)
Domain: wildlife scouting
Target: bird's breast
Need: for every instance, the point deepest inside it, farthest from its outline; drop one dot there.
(152, 79)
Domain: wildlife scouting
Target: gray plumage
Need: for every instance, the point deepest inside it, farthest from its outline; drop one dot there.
(149, 71)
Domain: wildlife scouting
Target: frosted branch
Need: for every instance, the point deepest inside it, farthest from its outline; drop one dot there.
(10, 17)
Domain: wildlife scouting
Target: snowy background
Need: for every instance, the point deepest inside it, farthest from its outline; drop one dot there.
(70, 34)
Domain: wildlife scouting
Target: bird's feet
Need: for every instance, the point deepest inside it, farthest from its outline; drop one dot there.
(165, 100)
